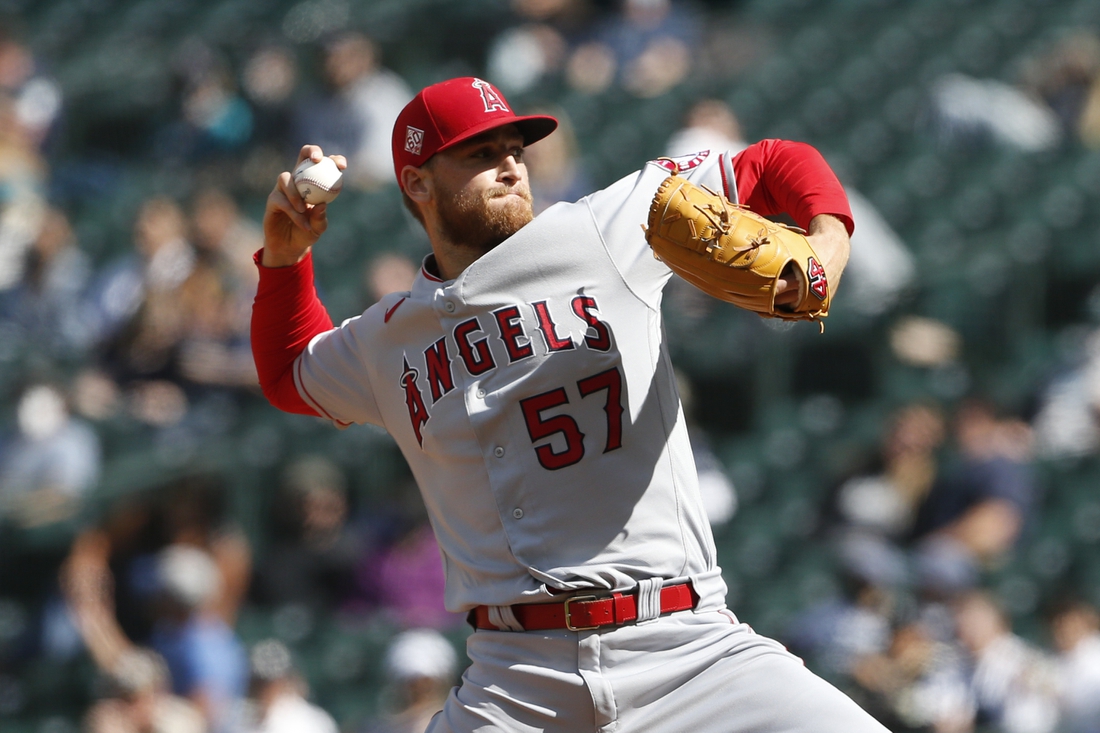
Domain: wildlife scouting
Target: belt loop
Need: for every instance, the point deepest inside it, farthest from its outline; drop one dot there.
(649, 599)
(503, 618)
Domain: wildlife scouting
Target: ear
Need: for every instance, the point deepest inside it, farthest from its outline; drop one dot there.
(417, 184)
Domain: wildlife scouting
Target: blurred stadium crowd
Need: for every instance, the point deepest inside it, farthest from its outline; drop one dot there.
(910, 501)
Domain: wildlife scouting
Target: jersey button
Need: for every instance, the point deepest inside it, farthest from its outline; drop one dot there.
(517, 513)
(481, 394)
(499, 451)
(449, 306)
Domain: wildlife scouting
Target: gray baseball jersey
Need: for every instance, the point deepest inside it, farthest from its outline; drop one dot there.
(534, 400)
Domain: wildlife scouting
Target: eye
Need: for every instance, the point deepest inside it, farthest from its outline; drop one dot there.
(517, 153)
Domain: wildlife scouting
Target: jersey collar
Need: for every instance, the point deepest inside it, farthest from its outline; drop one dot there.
(427, 282)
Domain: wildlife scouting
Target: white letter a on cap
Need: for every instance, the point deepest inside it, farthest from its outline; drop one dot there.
(492, 100)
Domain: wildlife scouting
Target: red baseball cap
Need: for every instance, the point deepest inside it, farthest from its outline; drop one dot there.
(451, 111)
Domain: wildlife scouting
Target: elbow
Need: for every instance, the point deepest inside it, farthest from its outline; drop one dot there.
(281, 391)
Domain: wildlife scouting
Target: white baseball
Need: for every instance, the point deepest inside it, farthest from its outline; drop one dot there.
(320, 182)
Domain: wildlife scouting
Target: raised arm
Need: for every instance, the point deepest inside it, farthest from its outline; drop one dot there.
(287, 313)
(785, 177)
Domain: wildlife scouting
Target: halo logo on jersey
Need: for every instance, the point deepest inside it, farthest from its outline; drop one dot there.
(492, 100)
(418, 413)
(819, 286)
(414, 140)
(682, 163)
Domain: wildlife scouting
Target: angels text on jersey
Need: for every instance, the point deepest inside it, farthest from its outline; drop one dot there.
(429, 376)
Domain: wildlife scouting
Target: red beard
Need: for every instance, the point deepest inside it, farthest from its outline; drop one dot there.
(468, 221)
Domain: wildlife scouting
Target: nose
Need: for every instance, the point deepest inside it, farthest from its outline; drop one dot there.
(509, 171)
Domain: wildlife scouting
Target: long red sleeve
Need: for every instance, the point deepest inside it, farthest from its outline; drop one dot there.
(781, 176)
(286, 315)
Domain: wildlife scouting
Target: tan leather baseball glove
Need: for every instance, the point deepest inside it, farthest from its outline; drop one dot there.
(729, 252)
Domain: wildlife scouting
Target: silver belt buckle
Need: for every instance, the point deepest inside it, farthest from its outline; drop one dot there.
(568, 614)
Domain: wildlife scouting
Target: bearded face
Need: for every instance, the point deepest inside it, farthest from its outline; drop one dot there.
(480, 220)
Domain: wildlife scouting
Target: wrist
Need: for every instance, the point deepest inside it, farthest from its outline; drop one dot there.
(277, 257)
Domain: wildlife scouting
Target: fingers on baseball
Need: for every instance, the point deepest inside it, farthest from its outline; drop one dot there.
(341, 161)
(282, 200)
(313, 152)
(318, 218)
(286, 186)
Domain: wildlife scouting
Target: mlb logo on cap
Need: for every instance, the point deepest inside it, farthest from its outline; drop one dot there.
(447, 113)
(414, 140)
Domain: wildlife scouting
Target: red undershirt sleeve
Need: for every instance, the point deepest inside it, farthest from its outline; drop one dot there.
(781, 176)
(286, 315)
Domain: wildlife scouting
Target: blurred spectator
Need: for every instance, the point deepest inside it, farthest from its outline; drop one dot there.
(205, 659)
(924, 342)
(226, 239)
(356, 117)
(554, 166)
(37, 97)
(402, 570)
(1075, 628)
(978, 506)
(268, 80)
(645, 48)
(213, 119)
(45, 305)
(420, 668)
(919, 683)
(23, 178)
(120, 551)
(95, 395)
(837, 634)
(968, 112)
(1067, 423)
(1064, 77)
(47, 468)
(591, 68)
(1089, 127)
(134, 301)
(877, 509)
(311, 561)
(166, 314)
(407, 578)
(213, 108)
(140, 700)
(218, 294)
(537, 42)
(279, 693)
(1014, 685)
(880, 267)
(710, 124)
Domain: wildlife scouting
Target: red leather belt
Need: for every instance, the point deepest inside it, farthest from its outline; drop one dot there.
(584, 612)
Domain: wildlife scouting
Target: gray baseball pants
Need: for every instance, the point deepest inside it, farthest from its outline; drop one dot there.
(682, 673)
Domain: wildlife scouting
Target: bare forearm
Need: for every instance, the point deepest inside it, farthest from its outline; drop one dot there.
(829, 239)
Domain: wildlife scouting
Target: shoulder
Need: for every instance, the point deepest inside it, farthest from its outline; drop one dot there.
(385, 310)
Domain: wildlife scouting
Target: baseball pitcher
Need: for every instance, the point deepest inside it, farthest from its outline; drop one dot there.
(527, 380)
